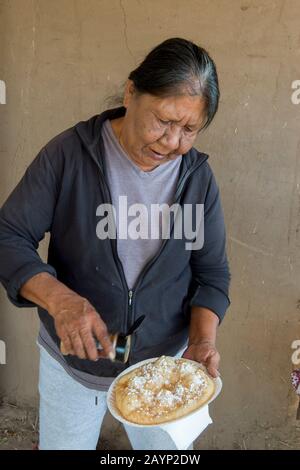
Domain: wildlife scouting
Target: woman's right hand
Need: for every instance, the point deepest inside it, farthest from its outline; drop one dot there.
(76, 321)
(78, 324)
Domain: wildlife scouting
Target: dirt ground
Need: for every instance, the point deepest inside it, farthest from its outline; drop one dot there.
(19, 431)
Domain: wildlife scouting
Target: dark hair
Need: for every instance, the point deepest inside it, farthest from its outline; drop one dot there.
(178, 66)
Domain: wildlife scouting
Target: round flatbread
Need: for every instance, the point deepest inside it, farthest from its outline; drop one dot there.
(163, 390)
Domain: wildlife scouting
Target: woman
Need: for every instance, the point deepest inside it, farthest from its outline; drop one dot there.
(97, 282)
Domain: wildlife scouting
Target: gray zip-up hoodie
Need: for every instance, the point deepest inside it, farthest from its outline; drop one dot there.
(60, 193)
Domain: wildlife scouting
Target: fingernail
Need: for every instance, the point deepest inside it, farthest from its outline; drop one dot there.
(112, 355)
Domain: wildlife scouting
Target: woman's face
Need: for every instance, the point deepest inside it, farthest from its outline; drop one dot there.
(157, 130)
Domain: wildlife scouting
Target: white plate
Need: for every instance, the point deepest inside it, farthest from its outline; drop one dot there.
(111, 401)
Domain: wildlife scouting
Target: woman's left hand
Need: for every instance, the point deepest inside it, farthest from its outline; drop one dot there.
(206, 353)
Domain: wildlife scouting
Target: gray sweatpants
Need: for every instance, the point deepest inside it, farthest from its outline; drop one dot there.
(70, 418)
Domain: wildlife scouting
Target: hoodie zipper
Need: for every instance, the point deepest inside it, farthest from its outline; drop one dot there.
(126, 324)
(130, 315)
(130, 298)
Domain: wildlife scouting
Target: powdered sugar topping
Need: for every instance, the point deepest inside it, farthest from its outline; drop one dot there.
(166, 384)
